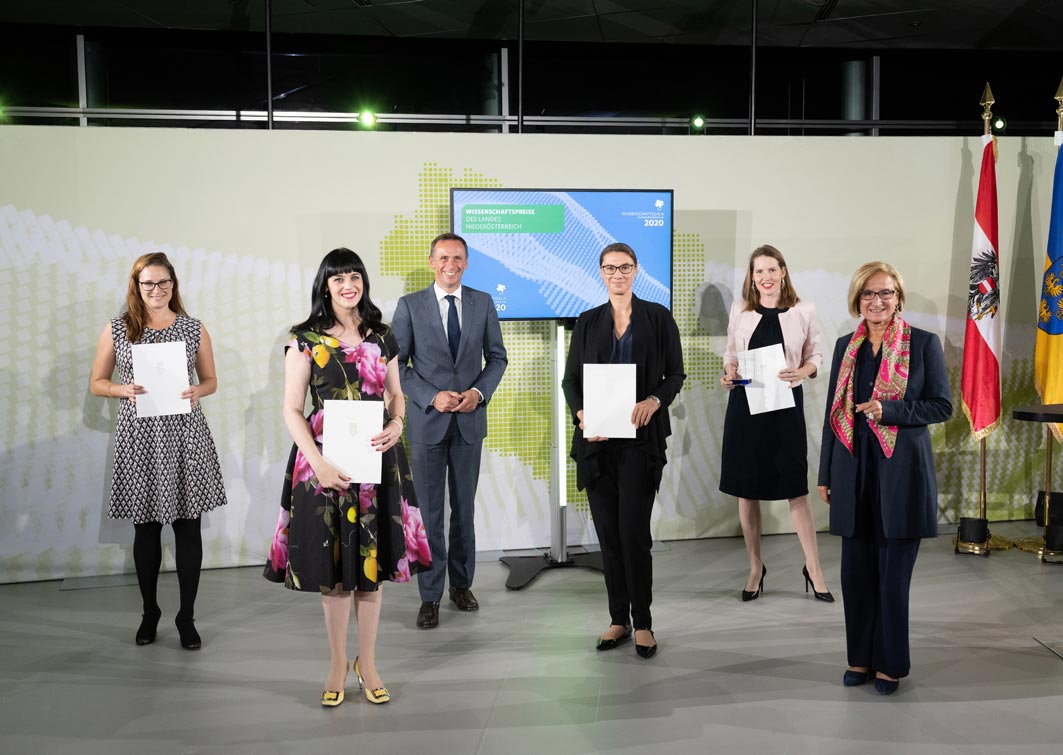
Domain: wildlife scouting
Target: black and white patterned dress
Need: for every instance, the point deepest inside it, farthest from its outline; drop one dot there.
(165, 468)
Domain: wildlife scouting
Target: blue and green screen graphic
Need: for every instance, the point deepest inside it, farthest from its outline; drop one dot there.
(535, 251)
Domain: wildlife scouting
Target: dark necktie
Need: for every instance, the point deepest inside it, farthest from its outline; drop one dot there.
(453, 328)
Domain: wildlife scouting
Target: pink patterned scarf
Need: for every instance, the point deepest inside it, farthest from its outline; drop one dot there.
(890, 383)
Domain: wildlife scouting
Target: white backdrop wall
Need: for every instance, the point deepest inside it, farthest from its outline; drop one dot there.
(247, 216)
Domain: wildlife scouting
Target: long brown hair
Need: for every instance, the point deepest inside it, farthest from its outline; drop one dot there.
(136, 315)
(787, 293)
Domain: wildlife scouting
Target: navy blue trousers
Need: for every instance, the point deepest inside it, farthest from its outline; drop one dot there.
(876, 581)
(455, 464)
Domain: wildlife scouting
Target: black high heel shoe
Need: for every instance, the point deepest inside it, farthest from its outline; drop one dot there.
(826, 597)
(190, 639)
(605, 643)
(647, 651)
(747, 595)
(149, 624)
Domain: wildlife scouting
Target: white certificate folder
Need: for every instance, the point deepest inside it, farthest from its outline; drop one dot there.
(346, 439)
(608, 400)
(768, 392)
(161, 369)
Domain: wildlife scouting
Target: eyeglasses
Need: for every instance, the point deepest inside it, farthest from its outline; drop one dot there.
(164, 285)
(885, 294)
(625, 268)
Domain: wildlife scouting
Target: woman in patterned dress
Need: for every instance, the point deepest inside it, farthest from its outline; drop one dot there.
(166, 468)
(337, 536)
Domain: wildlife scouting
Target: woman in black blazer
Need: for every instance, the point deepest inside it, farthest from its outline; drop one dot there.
(622, 476)
(887, 383)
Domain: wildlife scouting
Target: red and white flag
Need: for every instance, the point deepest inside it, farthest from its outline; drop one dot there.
(980, 384)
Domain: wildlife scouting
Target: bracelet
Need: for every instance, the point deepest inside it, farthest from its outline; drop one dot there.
(109, 387)
(401, 419)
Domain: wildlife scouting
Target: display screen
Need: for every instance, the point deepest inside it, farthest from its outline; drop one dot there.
(535, 251)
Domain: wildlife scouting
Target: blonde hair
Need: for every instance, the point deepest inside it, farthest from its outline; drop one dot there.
(861, 277)
(136, 315)
(787, 293)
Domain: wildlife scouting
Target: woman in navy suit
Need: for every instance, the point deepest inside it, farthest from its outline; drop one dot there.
(887, 383)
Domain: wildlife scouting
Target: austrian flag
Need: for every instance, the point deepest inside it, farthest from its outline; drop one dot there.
(980, 383)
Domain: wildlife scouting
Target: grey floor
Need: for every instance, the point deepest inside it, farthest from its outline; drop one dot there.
(522, 675)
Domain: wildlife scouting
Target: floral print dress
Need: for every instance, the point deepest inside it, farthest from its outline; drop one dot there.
(368, 533)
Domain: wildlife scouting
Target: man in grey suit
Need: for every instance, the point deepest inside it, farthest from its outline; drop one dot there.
(451, 358)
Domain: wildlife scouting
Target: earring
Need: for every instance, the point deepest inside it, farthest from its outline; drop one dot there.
(326, 294)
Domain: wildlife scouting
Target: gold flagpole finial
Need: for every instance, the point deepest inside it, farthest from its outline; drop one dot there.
(1059, 109)
(987, 104)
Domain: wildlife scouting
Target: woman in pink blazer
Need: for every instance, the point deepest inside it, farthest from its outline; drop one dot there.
(765, 456)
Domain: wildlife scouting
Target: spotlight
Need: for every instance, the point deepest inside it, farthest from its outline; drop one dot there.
(697, 123)
(367, 120)
(1000, 125)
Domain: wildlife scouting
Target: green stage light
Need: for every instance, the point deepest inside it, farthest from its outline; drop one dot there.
(367, 120)
(1000, 125)
(697, 123)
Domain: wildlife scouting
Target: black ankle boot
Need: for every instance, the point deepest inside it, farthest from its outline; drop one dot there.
(149, 623)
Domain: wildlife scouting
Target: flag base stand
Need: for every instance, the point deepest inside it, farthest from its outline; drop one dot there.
(1049, 547)
(1031, 545)
(973, 536)
(1053, 552)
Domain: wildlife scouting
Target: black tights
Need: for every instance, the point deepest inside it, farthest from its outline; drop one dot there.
(147, 555)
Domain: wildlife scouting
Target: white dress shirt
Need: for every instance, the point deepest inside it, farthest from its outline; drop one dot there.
(444, 305)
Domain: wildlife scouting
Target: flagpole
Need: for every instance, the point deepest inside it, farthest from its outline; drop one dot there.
(973, 536)
(987, 115)
(1059, 109)
(1048, 547)
(1049, 544)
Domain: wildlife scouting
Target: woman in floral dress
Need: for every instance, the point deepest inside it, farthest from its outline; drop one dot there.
(337, 536)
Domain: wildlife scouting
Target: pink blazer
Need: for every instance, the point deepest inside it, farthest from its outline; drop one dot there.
(802, 338)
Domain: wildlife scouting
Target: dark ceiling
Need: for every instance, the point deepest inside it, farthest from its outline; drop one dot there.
(929, 24)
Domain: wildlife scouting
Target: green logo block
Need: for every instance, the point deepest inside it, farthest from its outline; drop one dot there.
(512, 218)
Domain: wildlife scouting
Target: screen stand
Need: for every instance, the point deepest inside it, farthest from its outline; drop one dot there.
(523, 569)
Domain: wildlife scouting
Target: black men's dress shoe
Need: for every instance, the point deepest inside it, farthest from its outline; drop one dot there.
(428, 616)
(464, 599)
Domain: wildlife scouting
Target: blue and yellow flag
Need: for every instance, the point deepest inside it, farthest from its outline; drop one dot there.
(1048, 350)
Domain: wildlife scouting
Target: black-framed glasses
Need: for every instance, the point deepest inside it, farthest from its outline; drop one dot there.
(885, 294)
(626, 268)
(164, 285)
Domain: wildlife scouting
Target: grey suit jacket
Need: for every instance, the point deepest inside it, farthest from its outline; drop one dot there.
(426, 366)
